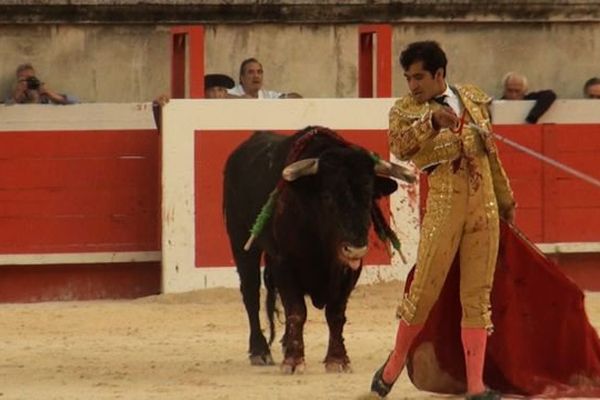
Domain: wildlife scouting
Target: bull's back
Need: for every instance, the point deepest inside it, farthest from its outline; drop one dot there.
(251, 173)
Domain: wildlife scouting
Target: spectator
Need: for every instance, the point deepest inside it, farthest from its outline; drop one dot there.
(216, 86)
(251, 82)
(515, 88)
(29, 89)
(591, 89)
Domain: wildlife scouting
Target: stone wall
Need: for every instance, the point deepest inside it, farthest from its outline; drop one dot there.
(100, 59)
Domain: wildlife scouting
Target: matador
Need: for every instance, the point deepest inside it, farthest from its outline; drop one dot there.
(468, 193)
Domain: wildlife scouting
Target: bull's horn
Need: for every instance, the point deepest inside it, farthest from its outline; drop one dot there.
(383, 167)
(308, 166)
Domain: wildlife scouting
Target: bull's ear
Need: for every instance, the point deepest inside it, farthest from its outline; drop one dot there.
(386, 168)
(308, 166)
(384, 187)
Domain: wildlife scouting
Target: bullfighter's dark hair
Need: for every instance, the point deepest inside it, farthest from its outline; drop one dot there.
(246, 62)
(429, 52)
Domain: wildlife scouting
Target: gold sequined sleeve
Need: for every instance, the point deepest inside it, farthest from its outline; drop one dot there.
(502, 189)
(408, 132)
(504, 194)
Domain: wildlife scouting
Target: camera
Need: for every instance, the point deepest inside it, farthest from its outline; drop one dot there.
(33, 83)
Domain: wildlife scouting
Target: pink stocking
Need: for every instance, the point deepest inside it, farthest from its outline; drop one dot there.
(404, 337)
(474, 342)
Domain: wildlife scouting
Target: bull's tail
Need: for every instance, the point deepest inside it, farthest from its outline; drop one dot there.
(270, 302)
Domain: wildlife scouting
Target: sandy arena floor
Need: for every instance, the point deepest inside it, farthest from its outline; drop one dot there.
(187, 346)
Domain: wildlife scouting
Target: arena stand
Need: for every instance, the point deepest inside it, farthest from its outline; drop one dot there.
(90, 211)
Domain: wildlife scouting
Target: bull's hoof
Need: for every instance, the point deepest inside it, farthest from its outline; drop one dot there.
(336, 367)
(262, 360)
(293, 366)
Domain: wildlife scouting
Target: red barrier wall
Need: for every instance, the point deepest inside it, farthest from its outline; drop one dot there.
(97, 191)
(70, 192)
(211, 150)
(553, 205)
(79, 192)
(34, 283)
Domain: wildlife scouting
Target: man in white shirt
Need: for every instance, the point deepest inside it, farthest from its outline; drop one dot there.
(251, 81)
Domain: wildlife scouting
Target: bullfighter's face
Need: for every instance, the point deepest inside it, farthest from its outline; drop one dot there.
(422, 84)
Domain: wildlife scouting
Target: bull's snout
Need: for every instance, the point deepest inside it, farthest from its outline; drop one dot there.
(354, 252)
(352, 255)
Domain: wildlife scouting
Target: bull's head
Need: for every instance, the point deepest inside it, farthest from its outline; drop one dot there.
(310, 166)
(346, 192)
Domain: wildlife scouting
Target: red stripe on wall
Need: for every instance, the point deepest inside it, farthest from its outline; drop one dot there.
(525, 175)
(211, 151)
(581, 268)
(79, 191)
(553, 205)
(26, 284)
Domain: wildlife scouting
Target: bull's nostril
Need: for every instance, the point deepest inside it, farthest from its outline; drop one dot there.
(353, 251)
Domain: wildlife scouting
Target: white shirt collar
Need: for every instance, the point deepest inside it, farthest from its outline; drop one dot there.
(452, 99)
(449, 92)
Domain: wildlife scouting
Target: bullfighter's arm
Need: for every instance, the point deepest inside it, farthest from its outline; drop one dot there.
(504, 194)
(406, 134)
(413, 136)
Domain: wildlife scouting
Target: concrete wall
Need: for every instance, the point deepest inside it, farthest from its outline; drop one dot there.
(95, 63)
(558, 56)
(130, 63)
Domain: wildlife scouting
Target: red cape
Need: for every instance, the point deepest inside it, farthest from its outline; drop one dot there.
(543, 343)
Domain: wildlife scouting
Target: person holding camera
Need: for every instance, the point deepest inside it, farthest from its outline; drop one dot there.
(30, 90)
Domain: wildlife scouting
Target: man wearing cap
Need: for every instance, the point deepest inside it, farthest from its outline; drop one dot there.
(216, 85)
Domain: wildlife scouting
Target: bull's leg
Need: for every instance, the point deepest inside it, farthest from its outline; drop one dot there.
(293, 340)
(336, 359)
(248, 267)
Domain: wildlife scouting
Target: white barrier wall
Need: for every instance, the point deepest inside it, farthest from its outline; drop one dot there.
(196, 130)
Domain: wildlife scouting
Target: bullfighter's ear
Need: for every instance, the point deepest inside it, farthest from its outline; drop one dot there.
(384, 187)
(386, 168)
(308, 166)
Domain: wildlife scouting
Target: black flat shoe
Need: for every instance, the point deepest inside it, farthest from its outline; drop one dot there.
(488, 394)
(378, 385)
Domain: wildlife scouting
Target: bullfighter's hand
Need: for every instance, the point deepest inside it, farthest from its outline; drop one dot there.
(444, 117)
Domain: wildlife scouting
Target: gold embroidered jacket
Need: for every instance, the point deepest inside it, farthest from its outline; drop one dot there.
(413, 138)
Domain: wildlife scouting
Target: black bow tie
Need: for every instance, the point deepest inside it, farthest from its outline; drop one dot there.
(442, 100)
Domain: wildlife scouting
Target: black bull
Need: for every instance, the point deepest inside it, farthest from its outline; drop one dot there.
(316, 236)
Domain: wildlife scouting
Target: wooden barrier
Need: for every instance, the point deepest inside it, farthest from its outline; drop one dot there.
(197, 138)
(79, 202)
(81, 217)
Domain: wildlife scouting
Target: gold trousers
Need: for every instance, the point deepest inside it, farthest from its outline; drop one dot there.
(461, 215)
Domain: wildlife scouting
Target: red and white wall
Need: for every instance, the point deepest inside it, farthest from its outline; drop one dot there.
(79, 202)
(197, 137)
(95, 203)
